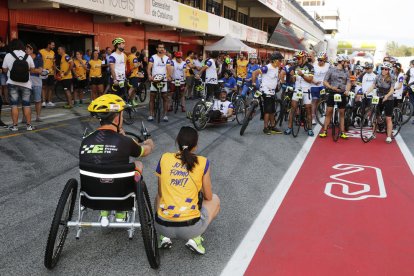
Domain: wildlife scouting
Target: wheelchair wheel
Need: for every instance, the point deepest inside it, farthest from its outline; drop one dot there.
(146, 218)
(200, 116)
(240, 110)
(59, 228)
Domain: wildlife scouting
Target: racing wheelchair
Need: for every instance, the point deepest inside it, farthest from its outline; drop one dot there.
(105, 187)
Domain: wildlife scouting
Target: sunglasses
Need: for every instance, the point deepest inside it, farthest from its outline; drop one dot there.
(385, 69)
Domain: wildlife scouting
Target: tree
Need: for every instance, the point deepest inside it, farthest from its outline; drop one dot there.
(396, 50)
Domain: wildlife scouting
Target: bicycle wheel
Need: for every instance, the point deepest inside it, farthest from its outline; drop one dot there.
(129, 115)
(406, 112)
(146, 218)
(297, 119)
(335, 125)
(321, 112)
(240, 110)
(348, 117)
(368, 126)
(142, 92)
(59, 229)
(200, 116)
(278, 108)
(397, 121)
(158, 107)
(248, 118)
(176, 102)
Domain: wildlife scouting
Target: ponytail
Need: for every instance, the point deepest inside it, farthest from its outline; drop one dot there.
(188, 159)
(187, 140)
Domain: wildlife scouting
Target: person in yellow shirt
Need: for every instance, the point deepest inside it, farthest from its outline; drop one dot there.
(189, 75)
(80, 67)
(95, 75)
(48, 56)
(65, 74)
(241, 69)
(180, 212)
(135, 74)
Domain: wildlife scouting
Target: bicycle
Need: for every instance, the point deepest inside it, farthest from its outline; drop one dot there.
(251, 110)
(335, 123)
(285, 105)
(300, 115)
(320, 111)
(176, 97)
(374, 122)
(406, 106)
(130, 112)
(159, 84)
(104, 187)
(349, 111)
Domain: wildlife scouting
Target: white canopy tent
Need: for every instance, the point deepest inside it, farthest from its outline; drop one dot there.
(229, 44)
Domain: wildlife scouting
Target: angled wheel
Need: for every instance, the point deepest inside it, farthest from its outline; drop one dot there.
(397, 121)
(406, 112)
(146, 218)
(248, 118)
(59, 229)
(368, 127)
(321, 112)
(348, 118)
(158, 107)
(142, 92)
(279, 110)
(200, 116)
(129, 115)
(297, 119)
(240, 110)
(176, 102)
(335, 125)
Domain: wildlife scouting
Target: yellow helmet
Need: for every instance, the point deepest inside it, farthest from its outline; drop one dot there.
(106, 104)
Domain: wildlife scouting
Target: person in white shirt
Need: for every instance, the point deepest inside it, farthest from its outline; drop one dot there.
(398, 87)
(117, 63)
(210, 68)
(18, 89)
(222, 108)
(159, 64)
(270, 79)
(179, 65)
(321, 67)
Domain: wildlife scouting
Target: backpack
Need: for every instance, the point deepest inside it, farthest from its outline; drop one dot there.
(20, 70)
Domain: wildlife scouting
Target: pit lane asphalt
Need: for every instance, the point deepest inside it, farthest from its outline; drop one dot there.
(36, 166)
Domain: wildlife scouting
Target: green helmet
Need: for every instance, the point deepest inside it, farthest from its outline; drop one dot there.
(118, 40)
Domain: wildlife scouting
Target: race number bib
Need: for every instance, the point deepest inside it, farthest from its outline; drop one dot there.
(177, 82)
(323, 92)
(337, 98)
(299, 95)
(375, 100)
(351, 95)
(239, 82)
(121, 84)
(257, 94)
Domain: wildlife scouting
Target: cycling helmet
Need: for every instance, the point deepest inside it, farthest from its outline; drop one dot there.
(227, 60)
(106, 105)
(340, 58)
(322, 55)
(178, 54)
(118, 40)
(393, 59)
(276, 56)
(300, 54)
(369, 66)
(386, 65)
(397, 65)
(358, 67)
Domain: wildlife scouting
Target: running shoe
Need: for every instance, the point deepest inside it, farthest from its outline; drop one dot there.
(13, 128)
(49, 104)
(310, 132)
(164, 242)
(44, 104)
(150, 118)
(195, 245)
(121, 216)
(343, 135)
(30, 127)
(388, 140)
(165, 119)
(267, 131)
(275, 130)
(323, 134)
(288, 131)
(313, 122)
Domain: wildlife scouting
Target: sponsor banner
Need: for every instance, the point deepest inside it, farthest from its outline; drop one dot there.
(193, 19)
(158, 11)
(125, 8)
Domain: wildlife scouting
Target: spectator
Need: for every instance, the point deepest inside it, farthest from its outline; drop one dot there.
(80, 67)
(48, 56)
(87, 55)
(18, 81)
(32, 51)
(65, 75)
(189, 75)
(108, 72)
(3, 79)
(198, 63)
(95, 66)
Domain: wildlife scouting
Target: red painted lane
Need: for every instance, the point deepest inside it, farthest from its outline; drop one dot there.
(315, 234)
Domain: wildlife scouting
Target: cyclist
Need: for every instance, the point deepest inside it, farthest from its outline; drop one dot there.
(48, 56)
(229, 82)
(303, 80)
(179, 66)
(182, 176)
(117, 61)
(270, 79)
(251, 67)
(241, 67)
(108, 145)
(287, 74)
(398, 88)
(336, 82)
(95, 75)
(320, 67)
(210, 68)
(65, 74)
(409, 76)
(134, 69)
(159, 64)
(80, 67)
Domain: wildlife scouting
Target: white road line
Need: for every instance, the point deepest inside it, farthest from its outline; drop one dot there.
(406, 152)
(245, 251)
(54, 115)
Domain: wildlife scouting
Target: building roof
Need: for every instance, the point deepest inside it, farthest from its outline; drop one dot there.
(303, 11)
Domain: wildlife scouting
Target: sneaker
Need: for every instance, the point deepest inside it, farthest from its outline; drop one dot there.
(30, 127)
(164, 242)
(267, 131)
(121, 216)
(323, 134)
(13, 128)
(50, 104)
(150, 118)
(343, 135)
(2, 124)
(310, 132)
(68, 106)
(195, 245)
(288, 131)
(313, 122)
(388, 140)
(275, 130)
(165, 119)
(134, 102)
(44, 104)
(189, 115)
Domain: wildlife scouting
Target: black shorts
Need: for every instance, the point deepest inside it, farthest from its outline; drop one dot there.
(80, 84)
(330, 100)
(133, 82)
(387, 106)
(269, 104)
(212, 89)
(96, 81)
(65, 84)
(50, 81)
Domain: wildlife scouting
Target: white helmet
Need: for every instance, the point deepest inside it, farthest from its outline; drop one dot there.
(387, 65)
(340, 58)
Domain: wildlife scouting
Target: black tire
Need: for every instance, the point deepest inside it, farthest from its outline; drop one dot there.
(240, 111)
(348, 118)
(297, 119)
(368, 132)
(129, 115)
(146, 218)
(248, 118)
(406, 112)
(335, 125)
(397, 121)
(321, 112)
(158, 107)
(176, 102)
(279, 110)
(142, 92)
(199, 115)
(63, 214)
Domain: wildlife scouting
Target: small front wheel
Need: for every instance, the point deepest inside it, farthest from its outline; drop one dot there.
(200, 116)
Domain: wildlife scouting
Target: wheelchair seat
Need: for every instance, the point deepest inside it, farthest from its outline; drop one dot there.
(107, 187)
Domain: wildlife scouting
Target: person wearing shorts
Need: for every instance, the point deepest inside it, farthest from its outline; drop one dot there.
(80, 68)
(182, 211)
(65, 75)
(48, 56)
(31, 50)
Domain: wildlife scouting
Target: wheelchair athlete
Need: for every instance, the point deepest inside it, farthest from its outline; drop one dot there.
(108, 145)
(222, 108)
